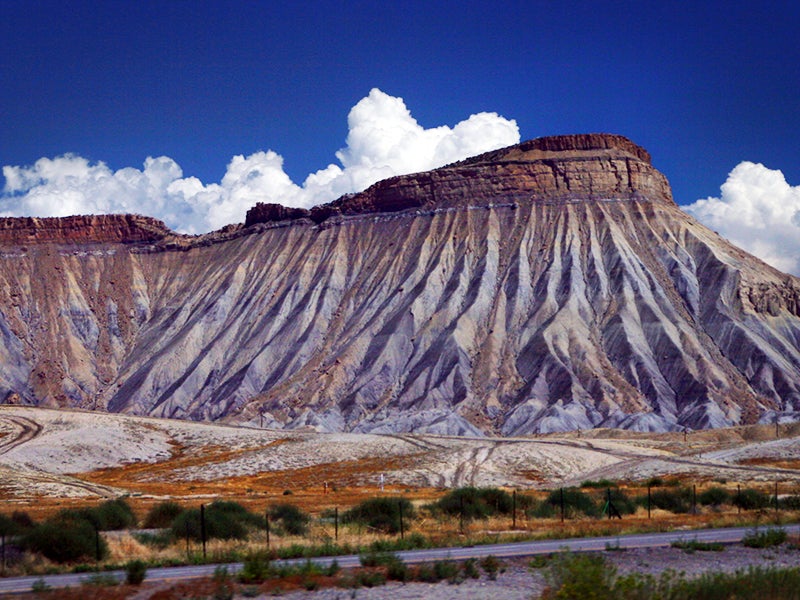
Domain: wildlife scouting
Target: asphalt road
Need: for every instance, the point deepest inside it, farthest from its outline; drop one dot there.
(512, 550)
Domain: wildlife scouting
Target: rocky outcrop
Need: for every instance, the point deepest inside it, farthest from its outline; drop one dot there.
(84, 229)
(563, 169)
(551, 285)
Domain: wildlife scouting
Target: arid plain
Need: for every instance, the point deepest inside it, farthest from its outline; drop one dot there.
(49, 458)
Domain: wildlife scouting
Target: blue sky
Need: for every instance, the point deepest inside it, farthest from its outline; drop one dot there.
(702, 85)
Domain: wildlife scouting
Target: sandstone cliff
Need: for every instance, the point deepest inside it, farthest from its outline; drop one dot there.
(547, 286)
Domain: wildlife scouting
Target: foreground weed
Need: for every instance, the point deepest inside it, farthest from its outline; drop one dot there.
(692, 546)
(767, 538)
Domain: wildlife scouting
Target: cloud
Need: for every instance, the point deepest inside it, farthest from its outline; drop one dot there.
(758, 211)
(383, 140)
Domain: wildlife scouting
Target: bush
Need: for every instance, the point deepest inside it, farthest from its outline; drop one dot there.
(678, 500)
(224, 521)
(135, 572)
(66, 538)
(714, 496)
(162, 515)
(767, 538)
(476, 503)
(581, 576)
(114, 515)
(575, 502)
(291, 519)
(749, 499)
(380, 514)
(600, 483)
(8, 526)
(256, 568)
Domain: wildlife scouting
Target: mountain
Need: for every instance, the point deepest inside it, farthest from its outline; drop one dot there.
(547, 286)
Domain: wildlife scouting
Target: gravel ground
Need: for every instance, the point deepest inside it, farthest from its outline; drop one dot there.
(519, 582)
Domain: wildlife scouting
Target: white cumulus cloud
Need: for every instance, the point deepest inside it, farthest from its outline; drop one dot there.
(759, 212)
(383, 140)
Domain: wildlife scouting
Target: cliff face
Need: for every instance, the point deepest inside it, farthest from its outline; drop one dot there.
(546, 286)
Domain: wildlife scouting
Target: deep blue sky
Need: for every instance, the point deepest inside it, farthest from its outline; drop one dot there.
(701, 85)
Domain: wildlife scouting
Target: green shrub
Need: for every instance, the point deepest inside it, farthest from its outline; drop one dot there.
(692, 546)
(750, 499)
(676, 500)
(576, 503)
(790, 502)
(600, 483)
(290, 519)
(116, 514)
(766, 538)
(255, 568)
(446, 569)
(66, 538)
(380, 514)
(7, 526)
(475, 503)
(714, 496)
(224, 520)
(581, 577)
(470, 568)
(135, 572)
(491, 566)
(162, 515)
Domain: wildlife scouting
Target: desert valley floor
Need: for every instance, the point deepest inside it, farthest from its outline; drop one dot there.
(48, 454)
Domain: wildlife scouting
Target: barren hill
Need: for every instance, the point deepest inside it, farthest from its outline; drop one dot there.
(548, 286)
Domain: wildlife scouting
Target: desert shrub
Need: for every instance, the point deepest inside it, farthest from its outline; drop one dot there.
(765, 538)
(476, 503)
(135, 572)
(599, 483)
(114, 515)
(224, 520)
(380, 514)
(66, 538)
(22, 520)
(576, 502)
(714, 496)
(581, 576)
(676, 500)
(290, 519)
(491, 565)
(255, 568)
(162, 515)
(750, 499)
(470, 568)
(791, 502)
(8, 526)
(446, 569)
(621, 501)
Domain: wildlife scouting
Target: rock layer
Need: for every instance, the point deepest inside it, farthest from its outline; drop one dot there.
(547, 286)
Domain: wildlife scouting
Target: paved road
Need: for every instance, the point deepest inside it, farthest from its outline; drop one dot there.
(511, 550)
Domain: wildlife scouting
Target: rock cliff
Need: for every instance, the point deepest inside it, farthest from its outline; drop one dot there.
(547, 286)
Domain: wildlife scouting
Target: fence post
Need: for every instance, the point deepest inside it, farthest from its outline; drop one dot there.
(336, 522)
(776, 501)
(266, 525)
(694, 499)
(203, 528)
(514, 509)
(648, 501)
(4, 554)
(738, 499)
(461, 513)
(562, 504)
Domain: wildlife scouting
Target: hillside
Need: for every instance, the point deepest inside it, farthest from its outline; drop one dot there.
(549, 286)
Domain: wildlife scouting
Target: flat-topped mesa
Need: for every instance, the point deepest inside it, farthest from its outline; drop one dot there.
(560, 169)
(82, 229)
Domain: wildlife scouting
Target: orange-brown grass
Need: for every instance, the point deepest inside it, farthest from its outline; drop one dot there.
(772, 462)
